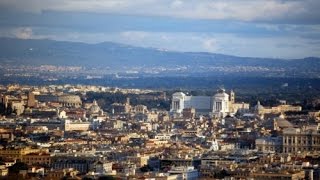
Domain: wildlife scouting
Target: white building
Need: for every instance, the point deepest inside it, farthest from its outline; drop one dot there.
(180, 101)
(76, 125)
(269, 144)
(218, 105)
(163, 136)
(188, 173)
(214, 145)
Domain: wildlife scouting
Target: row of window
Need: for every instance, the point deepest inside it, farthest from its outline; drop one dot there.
(289, 140)
(293, 149)
(29, 159)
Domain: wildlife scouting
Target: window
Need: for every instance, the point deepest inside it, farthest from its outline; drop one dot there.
(218, 106)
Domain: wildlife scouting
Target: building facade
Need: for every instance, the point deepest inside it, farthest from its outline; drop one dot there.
(301, 140)
(63, 100)
(269, 144)
(259, 109)
(219, 105)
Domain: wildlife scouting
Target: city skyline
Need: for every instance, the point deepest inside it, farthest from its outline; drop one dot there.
(160, 89)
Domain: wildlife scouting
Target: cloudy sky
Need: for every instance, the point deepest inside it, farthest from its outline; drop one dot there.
(256, 28)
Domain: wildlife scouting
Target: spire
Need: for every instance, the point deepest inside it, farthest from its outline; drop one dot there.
(95, 102)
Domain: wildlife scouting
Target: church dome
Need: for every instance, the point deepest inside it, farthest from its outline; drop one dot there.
(258, 106)
(95, 107)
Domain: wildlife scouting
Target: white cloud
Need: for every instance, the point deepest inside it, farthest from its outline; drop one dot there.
(23, 33)
(210, 45)
(165, 37)
(245, 10)
(269, 27)
(134, 35)
(288, 46)
(176, 4)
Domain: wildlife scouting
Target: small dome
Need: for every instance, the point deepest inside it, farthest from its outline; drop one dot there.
(95, 107)
(282, 123)
(258, 106)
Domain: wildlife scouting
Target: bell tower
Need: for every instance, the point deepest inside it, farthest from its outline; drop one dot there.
(232, 97)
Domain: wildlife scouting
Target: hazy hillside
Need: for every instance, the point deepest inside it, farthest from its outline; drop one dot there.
(115, 55)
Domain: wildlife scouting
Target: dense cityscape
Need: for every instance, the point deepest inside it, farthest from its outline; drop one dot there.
(159, 89)
(59, 131)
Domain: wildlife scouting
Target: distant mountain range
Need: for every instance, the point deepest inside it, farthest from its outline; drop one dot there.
(114, 55)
